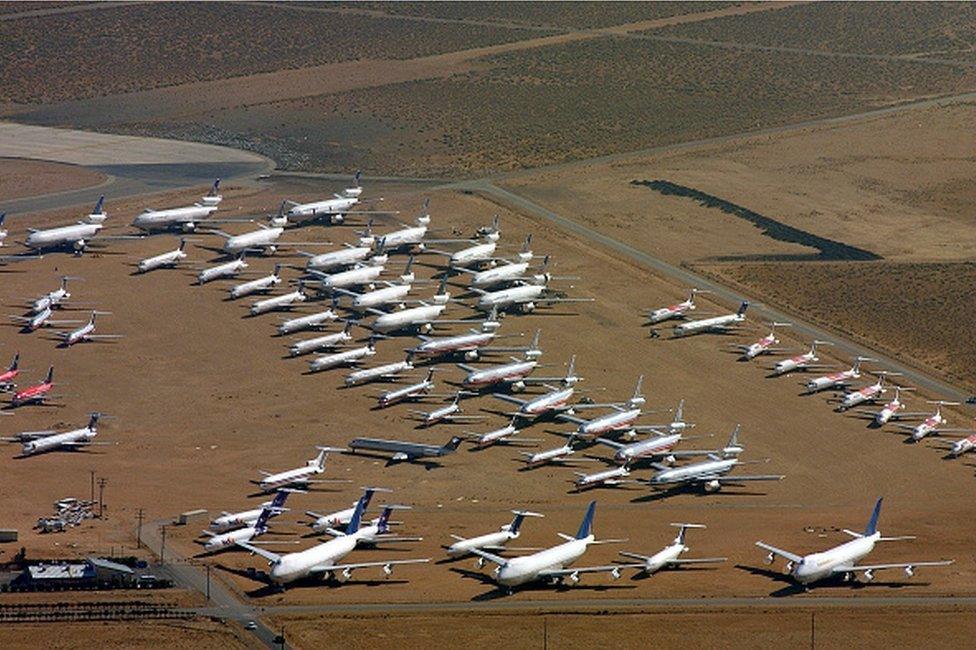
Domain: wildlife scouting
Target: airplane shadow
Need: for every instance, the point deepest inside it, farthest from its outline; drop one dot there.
(792, 588)
(503, 592)
(660, 495)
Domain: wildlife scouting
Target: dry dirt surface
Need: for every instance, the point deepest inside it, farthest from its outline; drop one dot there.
(20, 178)
(130, 634)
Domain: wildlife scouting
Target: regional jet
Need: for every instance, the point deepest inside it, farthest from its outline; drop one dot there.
(495, 541)
(39, 442)
(679, 310)
(719, 324)
(670, 556)
(404, 451)
(299, 478)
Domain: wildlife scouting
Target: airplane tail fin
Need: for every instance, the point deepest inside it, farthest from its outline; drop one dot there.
(15, 363)
(586, 526)
(527, 246)
(357, 516)
(682, 529)
(430, 375)
(453, 444)
(383, 525)
(409, 267)
(214, 188)
(520, 516)
(742, 308)
(357, 177)
(3, 215)
(442, 287)
(872, 526)
(93, 421)
(571, 372)
(277, 503)
(99, 205)
(319, 461)
(534, 347)
(50, 375)
(734, 438)
(679, 413)
(182, 244)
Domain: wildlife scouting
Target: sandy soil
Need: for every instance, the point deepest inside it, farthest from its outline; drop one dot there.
(168, 634)
(20, 178)
(196, 418)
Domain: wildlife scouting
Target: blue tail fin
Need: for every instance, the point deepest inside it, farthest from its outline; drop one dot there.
(357, 516)
(98, 206)
(215, 188)
(3, 215)
(586, 527)
(383, 525)
(743, 307)
(516, 523)
(873, 522)
(279, 500)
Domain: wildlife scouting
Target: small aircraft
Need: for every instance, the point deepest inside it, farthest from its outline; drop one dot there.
(74, 237)
(35, 394)
(866, 394)
(306, 346)
(405, 451)
(231, 520)
(183, 219)
(310, 321)
(552, 564)
(38, 442)
(963, 445)
(491, 541)
(322, 523)
(37, 320)
(7, 376)
(670, 556)
(225, 270)
(844, 560)
(324, 559)
(679, 310)
(411, 392)
(720, 324)
(449, 413)
(298, 478)
(263, 284)
(933, 424)
(836, 379)
(763, 345)
(163, 260)
(221, 541)
(504, 436)
(806, 361)
(346, 357)
(86, 333)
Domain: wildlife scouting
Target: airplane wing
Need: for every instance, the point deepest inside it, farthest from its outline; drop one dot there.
(323, 568)
(268, 555)
(697, 560)
(558, 573)
(509, 398)
(898, 565)
(792, 557)
(106, 336)
(491, 557)
(29, 435)
(565, 417)
(736, 479)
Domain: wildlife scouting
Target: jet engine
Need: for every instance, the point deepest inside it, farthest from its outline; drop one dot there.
(712, 486)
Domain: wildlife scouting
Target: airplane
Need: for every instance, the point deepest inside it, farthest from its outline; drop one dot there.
(222, 541)
(836, 379)
(471, 344)
(404, 451)
(421, 318)
(74, 237)
(551, 564)
(86, 333)
(275, 303)
(866, 394)
(34, 394)
(378, 530)
(479, 253)
(893, 410)
(556, 400)
(514, 374)
(333, 210)
(391, 294)
(608, 477)
(843, 560)
(53, 299)
(679, 310)
(358, 275)
(408, 237)
(344, 258)
(676, 425)
(411, 392)
(7, 376)
(508, 271)
(710, 474)
(449, 413)
(300, 477)
(491, 541)
(310, 321)
(346, 357)
(322, 523)
(763, 345)
(385, 372)
(621, 419)
(557, 455)
(324, 559)
(720, 324)
(306, 346)
(504, 436)
(183, 219)
(963, 445)
(521, 298)
(40, 319)
(655, 446)
(932, 425)
(163, 260)
(230, 520)
(223, 270)
(262, 284)
(670, 556)
(806, 361)
(39, 442)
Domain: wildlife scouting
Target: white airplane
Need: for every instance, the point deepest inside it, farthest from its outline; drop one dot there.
(510, 271)
(679, 310)
(275, 303)
(806, 361)
(333, 210)
(471, 344)
(41, 319)
(621, 419)
(844, 560)
(222, 541)
(656, 446)
(402, 451)
(310, 321)
(670, 556)
(385, 372)
(86, 333)
(558, 455)
(495, 541)
(503, 436)
(74, 237)
(412, 392)
(933, 424)
(324, 560)
(836, 379)
(363, 274)
(719, 324)
(231, 520)
(521, 297)
(262, 284)
(556, 400)
(513, 374)
(608, 477)
(38, 442)
(346, 357)
(53, 299)
(865, 394)
(163, 260)
(763, 345)
(300, 477)
(184, 219)
(893, 410)
(408, 237)
(225, 270)
(710, 474)
(392, 293)
(448, 413)
(306, 346)
(343, 258)
(552, 564)
(323, 523)
(480, 252)
(963, 445)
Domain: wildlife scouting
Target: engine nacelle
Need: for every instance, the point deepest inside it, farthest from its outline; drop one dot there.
(367, 241)
(421, 247)
(670, 460)
(79, 245)
(189, 226)
(518, 387)
(400, 456)
(387, 570)
(270, 250)
(712, 486)
(426, 328)
(345, 575)
(278, 222)
(441, 298)
(527, 307)
(533, 354)
(471, 355)
(868, 576)
(574, 577)
(407, 278)
(910, 571)
(615, 574)
(480, 562)
(789, 566)
(338, 218)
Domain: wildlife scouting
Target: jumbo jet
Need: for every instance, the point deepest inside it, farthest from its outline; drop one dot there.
(231, 520)
(763, 345)
(553, 564)
(510, 271)
(183, 219)
(299, 478)
(670, 556)
(933, 424)
(404, 451)
(495, 541)
(39, 442)
(679, 310)
(7, 376)
(836, 380)
(36, 393)
(222, 541)
(865, 394)
(86, 333)
(720, 324)
(322, 523)
(390, 293)
(333, 210)
(844, 560)
(74, 237)
(480, 252)
(806, 361)
(163, 260)
(421, 318)
(325, 560)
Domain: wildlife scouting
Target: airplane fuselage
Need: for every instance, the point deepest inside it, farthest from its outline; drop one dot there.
(180, 218)
(521, 570)
(307, 322)
(74, 236)
(49, 443)
(511, 372)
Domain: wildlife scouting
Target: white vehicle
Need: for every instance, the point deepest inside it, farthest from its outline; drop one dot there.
(346, 357)
(963, 445)
(74, 237)
(552, 564)
(866, 394)
(300, 477)
(844, 560)
(558, 456)
(284, 301)
(607, 477)
(503, 436)
(321, 342)
(163, 260)
(836, 380)
(621, 418)
(385, 372)
(41, 319)
(933, 425)
(231, 520)
(806, 361)
(225, 270)
(679, 310)
(449, 413)
(323, 523)
(411, 392)
(325, 559)
(38, 442)
(222, 541)
(262, 284)
(495, 541)
(720, 324)
(513, 374)
(763, 345)
(893, 410)
(333, 210)
(183, 219)
(53, 299)
(86, 333)
(670, 556)
(310, 321)
(364, 274)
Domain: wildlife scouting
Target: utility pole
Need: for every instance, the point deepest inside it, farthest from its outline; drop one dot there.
(101, 491)
(208, 584)
(139, 516)
(92, 497)
(162, 546)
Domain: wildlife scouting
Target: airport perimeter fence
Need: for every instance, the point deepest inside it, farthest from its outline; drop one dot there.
(106, 611)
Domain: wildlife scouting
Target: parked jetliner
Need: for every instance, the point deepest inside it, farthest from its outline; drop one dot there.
(35, 394)
(806, 361)
(409, 237)
(390, 294)
(556, 400)
(844, 560)
(503, 436)
(284, 301)
(333, 210)
(224, 270)
(322, 523)
(324, 560)
(607, 477)
(656, 446)
(40, 319)
(495, 541)
(231, 520)
(86, 333)
(306, 346)
(345, 357)
(471, 344)
(552, 564)
(183, 219)
(384, 372)
(222, 541)
(448, 413)
(963, 445)
(405, 451)
(300, 477)
(558, 455)
(837, 379)
(622, 419)
(38, 442)
(521, 297)
(53, 299)
(763, 345)
(714, 324)
(933, 425)
(670, 556)
(893, 410)
(3, 232)
(344, 257)
(357, 276)
(411, 392)
(507, 271)
(866, 394)
(513, 374)
(310, 321)
(163, 260)
(7, 376)
(679, 310)
(262, 284)
(74, 237)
